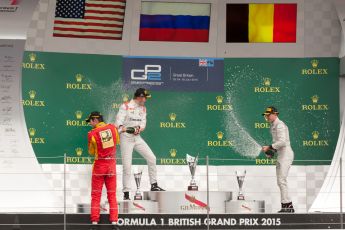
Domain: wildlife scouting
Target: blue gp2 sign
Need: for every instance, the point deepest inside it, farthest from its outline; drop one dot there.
(174, 74)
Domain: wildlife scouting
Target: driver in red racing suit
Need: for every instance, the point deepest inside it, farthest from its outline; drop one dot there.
(102, 140)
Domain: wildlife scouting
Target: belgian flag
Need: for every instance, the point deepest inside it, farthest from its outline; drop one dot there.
(261, 23)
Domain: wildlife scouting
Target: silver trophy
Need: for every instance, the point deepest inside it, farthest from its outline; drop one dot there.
(137, 178)
(240, 179)
(192, 163)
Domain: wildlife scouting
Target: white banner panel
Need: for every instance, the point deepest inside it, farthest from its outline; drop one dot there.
(24, 187)
(340, 7)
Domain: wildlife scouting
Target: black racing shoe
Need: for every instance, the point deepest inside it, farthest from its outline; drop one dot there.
(287, 208)
(156, 188)
(126, 196)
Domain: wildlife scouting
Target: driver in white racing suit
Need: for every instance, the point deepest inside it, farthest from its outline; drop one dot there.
(131, 121)
(280, 145)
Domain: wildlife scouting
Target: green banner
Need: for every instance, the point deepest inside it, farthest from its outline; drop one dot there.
(59, 90)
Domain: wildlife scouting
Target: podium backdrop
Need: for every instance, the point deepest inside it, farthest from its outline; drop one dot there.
(199, 106)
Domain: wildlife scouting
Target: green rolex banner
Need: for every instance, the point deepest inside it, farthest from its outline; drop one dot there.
(59, 90)
(306, 93)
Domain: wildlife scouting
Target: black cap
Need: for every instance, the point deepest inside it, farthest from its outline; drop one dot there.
(94, 114)
(270, 110)
(141, 92)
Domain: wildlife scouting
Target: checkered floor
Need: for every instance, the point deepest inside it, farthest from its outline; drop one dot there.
(260, 182)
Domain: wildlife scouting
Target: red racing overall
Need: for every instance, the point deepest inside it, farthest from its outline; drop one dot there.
(102, 142)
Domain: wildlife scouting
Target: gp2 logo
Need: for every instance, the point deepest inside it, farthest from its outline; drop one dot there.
(150, 73)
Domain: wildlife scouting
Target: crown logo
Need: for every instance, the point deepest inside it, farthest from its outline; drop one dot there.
(315, 135)
(32, 57)
(315, 99)
(314, 63)
(125, 98)
(32, 94)
(267, 81)
(172, 116)
(79, 77)
(79, 151)
(219, 99)
(32, 132)
(220, 135)
(78, 114)
(173, 152)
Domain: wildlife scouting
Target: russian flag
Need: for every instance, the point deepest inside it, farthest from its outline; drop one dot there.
(174, 22)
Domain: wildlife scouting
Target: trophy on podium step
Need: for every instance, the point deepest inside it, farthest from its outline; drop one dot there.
(137, 178)
(192, 163)
(240, 179)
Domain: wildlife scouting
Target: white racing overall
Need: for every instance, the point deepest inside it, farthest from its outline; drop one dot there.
(131, 115)
(281, 142)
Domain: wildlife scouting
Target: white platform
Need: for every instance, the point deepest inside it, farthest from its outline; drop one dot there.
(190, 202)
(184, 202)
(245, 206)
(138, 207)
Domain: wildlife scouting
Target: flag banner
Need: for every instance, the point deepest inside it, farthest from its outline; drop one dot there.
(95, 19)
(253, 23)
(174, 22)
